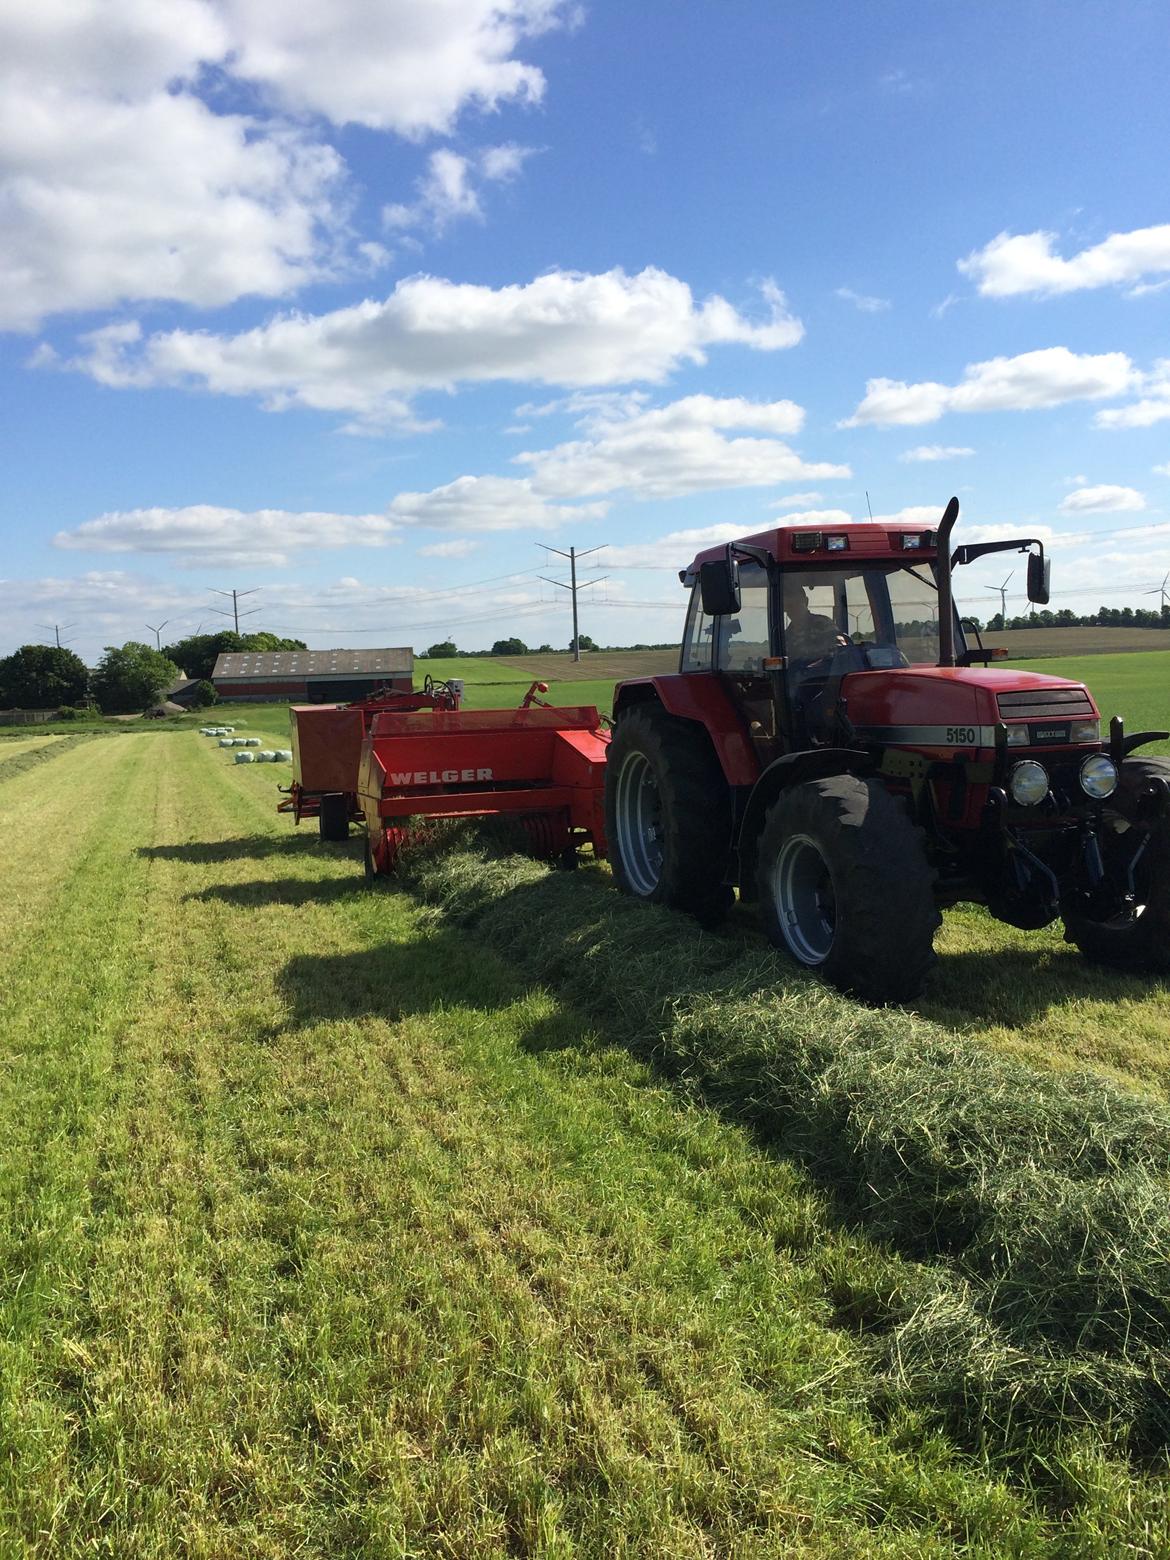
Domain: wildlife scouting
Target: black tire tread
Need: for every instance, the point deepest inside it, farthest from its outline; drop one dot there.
(882, 879)
(696, 811)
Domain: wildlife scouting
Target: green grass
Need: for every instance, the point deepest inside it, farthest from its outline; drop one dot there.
(1136, 687)
(328, 1232)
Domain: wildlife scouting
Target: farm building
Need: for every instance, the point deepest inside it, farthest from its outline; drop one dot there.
(310, 676)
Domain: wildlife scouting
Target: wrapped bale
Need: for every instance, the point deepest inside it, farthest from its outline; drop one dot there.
(245, 758)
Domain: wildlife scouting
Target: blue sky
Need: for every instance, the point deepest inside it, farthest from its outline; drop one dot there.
(355, 304)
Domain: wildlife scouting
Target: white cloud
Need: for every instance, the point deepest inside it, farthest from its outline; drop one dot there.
(928, 452)
(1025, 263)
(1101, 499)
(913, 514)
(446, 192)
(1162, 471)
(680, 448)
(564, 328)
(1152, 407)
(206, 532)
(867, 305)
(487, 504)
(796, 500)
(1049, 377)
(121, 180)
(396, 65)
(458, 547)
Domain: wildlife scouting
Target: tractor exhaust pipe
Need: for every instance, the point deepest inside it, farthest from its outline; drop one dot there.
(946, 598)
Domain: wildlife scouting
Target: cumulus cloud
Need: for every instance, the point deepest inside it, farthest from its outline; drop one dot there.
(928, 452)
(488, 504)
(565, 328)
(1049, 377)
(1013, 264)
(1162, 471)
(447, 191)
(396, 65)
(667, 451)
(1153, 405)
(205, 532)
(1101, 499)
(122, 180)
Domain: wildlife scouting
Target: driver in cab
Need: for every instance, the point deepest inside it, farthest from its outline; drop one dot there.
(808, 636)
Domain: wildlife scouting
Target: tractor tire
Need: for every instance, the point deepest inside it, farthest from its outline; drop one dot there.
(333, 818)
(1139, 939)
(668, 814)
(846, 888)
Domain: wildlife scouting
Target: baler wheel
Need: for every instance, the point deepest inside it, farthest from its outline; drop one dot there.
(333, 817)
(667, 814)
(846, 889)
(1140, 938)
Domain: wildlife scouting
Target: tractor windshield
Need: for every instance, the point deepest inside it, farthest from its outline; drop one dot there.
(889, 610)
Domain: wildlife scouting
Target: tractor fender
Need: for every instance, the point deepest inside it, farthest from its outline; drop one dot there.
(791, 769)
(702, 699)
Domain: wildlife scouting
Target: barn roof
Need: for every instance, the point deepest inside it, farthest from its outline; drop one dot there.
(305, 665)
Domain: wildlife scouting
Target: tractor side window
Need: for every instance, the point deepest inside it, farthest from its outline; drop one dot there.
(697, 637)
(742, 641)
(914, 609)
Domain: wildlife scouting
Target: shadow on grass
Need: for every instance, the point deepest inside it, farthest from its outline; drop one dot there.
(253, 847)
(284, 891)
(1012, 987)
(394, 979)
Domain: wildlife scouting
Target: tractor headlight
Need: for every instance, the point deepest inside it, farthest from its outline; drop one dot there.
(1098, 776)
(1085, 731)
(1028, 783)
(1017, 736)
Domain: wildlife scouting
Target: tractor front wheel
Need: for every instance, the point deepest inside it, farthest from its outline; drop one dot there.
(1138, 939)
(846, 889)
(667, 814)
(333, 818)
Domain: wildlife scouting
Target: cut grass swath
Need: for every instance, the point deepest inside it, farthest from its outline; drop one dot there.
(1039, 1200)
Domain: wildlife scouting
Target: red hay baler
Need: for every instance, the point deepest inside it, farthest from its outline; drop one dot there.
(541, 766)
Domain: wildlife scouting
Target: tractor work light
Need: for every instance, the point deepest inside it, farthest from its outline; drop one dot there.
(1084, 731)
(805, 541)
(1098, 776)
(1028, 783)
(912, 543)
(836, 544)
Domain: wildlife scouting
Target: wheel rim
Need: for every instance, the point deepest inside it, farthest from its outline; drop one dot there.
(806, 906)
(639, 824)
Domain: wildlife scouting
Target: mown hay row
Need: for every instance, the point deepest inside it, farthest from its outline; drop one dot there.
(1035, 1204)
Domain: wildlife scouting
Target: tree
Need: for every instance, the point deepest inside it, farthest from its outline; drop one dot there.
(445, 647)
(197, 654)
(585, 642)
(132, 677)
(205, 693)
(42, 677)
(509, 647)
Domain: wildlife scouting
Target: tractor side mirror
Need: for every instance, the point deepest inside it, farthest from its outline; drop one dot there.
(719, 587)
(1039, 578)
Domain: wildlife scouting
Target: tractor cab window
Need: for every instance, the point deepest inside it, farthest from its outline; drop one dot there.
(742, 642)
(698, 637)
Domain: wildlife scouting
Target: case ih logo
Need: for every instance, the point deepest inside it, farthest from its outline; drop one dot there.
(440, 776)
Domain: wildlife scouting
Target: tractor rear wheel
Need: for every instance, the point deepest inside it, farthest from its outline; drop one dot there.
(1139, 938)
(333, 818)
(667, 814)
(846, 889)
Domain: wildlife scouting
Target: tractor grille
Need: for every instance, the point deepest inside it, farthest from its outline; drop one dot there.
(1045, 704)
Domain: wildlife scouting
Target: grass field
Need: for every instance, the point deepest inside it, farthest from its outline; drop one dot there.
(329, 1232)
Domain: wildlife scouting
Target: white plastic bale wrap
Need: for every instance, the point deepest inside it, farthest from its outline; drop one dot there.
(245, 758)
(251, 741)
(226, 742)
(267, 756)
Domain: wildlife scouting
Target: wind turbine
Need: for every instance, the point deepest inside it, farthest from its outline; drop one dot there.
(1160, 590)
(157, 632)
(1002, 589)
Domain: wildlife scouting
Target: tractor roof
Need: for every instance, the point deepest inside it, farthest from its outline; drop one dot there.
(805, 544)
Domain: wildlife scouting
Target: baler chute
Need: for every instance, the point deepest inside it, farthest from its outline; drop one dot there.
(540, 766)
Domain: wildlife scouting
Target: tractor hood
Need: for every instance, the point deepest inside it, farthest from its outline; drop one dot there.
(950, 706)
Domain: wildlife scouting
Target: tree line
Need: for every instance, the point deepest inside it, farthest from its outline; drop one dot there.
(1104, 617)
(128, 679)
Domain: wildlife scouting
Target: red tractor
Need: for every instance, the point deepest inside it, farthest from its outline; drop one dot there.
(833, 747)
